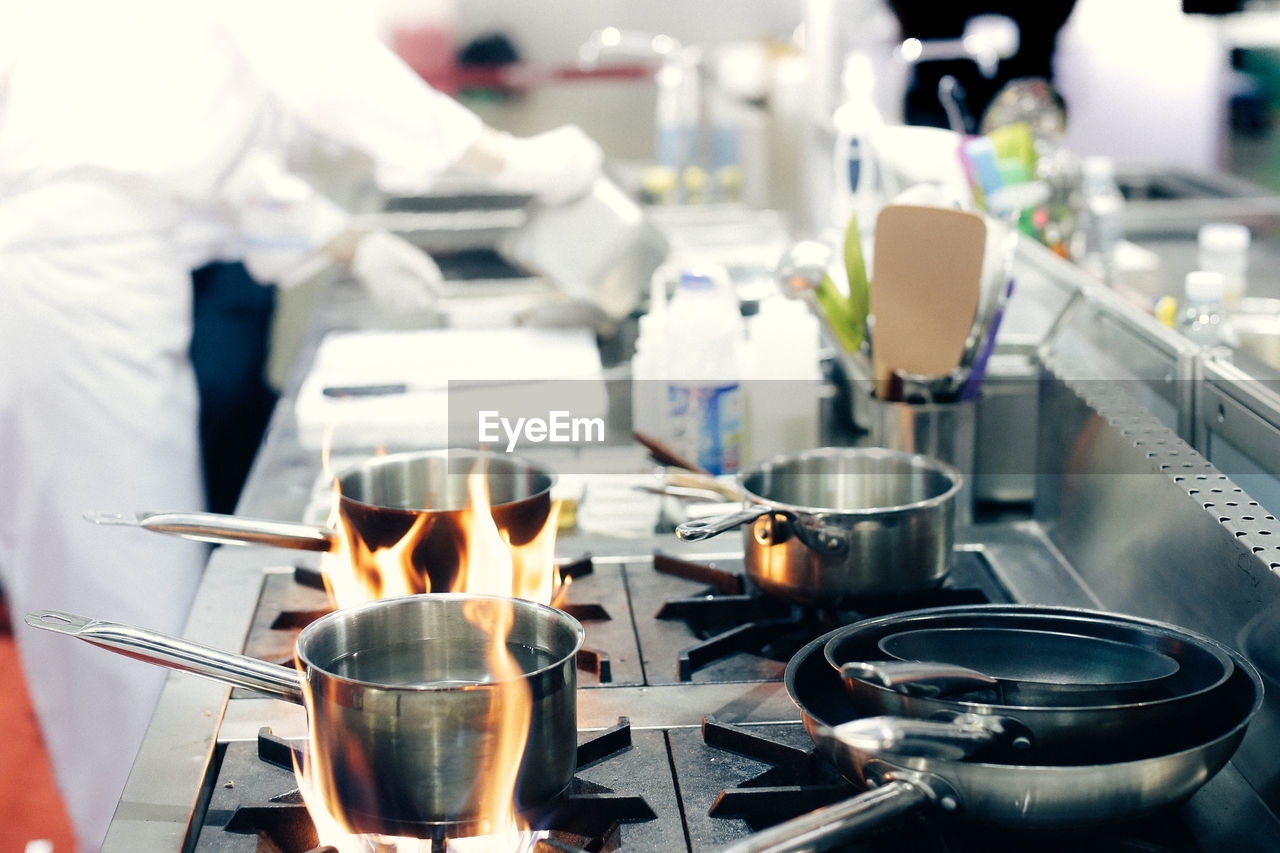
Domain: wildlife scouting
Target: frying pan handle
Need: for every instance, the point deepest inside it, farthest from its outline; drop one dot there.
(705, 528)
(953, 736)
(919, 678)
(225, 529)
(889, 735)
(175, 653)
(834, 825)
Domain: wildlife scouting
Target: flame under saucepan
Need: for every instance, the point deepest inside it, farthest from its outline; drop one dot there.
(489, 564)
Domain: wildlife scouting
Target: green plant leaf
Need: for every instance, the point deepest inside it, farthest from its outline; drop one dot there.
(859, 299)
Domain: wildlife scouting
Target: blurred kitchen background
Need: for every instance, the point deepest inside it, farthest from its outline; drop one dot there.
(1191, 86)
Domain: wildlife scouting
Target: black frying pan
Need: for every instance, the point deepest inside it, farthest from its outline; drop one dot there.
(876, 753)
(1041, 667)
(1081, 732)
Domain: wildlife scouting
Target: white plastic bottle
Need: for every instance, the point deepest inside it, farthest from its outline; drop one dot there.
(676, 130)
(1103, 216)
(648, 365)
(857, 174)
(1203, 319)
(1224, 248)
(783, 379)
(705, 407)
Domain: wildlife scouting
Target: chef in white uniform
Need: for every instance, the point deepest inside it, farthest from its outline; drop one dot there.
(136, 143)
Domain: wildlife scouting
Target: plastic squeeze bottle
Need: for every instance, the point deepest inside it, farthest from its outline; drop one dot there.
(705, 407)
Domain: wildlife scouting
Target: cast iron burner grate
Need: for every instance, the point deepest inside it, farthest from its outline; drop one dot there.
(586, 818)
(798, 780)
(274, 640)
(731, 618)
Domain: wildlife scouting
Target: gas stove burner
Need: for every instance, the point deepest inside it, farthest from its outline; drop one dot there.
(267, 812)
(796, 780)
(732, 617)
(589, 659)
(291, 601)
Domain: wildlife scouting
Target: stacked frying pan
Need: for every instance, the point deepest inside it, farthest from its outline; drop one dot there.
(1025, 716)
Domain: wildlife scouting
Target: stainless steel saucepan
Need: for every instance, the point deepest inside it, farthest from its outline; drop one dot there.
(1095, 724)
(380, 500)
(402, 701)
(828, 525)
(908, 765)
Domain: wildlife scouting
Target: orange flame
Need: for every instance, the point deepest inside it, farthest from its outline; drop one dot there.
(355, 573)
(510, 711)
(487, 565)
(490, 564)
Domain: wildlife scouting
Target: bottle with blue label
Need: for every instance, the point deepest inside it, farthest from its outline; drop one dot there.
(705, 405)
(857, 176)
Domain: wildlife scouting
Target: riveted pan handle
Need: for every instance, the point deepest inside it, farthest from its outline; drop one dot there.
(948, 736)
(705, 528)
(175, 653)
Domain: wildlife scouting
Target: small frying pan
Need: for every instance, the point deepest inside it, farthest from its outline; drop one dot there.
(900, 764)
(1041, 667)
(1063, 733)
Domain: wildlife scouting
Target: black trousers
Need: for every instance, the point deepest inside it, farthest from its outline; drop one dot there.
(229, 348)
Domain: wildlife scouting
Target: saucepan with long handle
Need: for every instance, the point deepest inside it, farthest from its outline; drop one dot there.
(403, 698)
(380, 501)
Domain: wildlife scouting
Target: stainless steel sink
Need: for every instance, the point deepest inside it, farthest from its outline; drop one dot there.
(1176, 185)
(1176, 201)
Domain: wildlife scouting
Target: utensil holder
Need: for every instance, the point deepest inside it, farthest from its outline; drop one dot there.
(1004, 423)
(944, 431)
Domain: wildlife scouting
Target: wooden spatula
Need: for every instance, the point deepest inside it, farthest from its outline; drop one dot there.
(924, 290)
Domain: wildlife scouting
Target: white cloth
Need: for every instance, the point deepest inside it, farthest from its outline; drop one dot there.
(275, 222)
(169, 97)
(95, 403)
(556, 166)
(126, 129)
(397, 274)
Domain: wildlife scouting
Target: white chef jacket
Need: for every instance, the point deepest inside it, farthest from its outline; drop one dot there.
(126, 128)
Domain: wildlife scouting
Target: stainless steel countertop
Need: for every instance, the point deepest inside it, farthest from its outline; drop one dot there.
(172, 774)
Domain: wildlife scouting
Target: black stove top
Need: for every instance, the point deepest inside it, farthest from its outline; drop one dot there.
(657, 627)
(677, 789)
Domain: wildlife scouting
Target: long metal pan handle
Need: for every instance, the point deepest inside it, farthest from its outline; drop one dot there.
(836, 824)
(954, 740)
(225, 529)
(919, 678)
(705, 528)
(175, 653)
